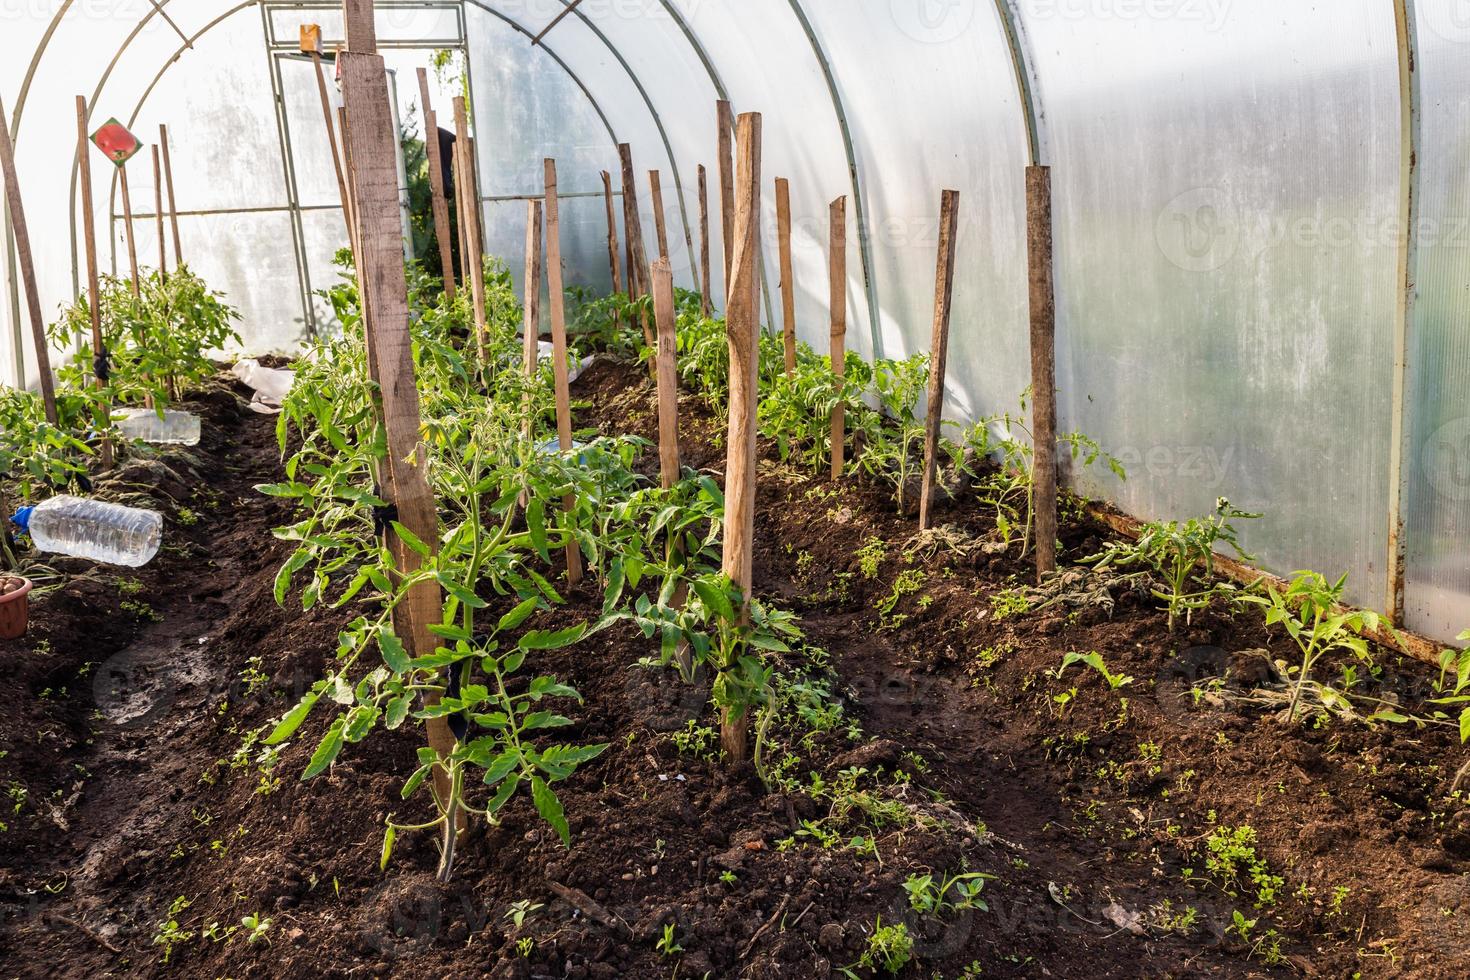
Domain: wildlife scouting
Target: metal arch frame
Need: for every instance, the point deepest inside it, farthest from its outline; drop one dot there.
(1028, 83)
(865, 250)
(647, 102)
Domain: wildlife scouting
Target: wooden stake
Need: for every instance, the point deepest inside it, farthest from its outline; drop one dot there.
(704, 294)
(949, 209)
(742, 324)
(531, 348)
(127, 203)
(470, 203)
(372, 140)
(436, 185)
(173, 208)
(559, 346)
(668, 382)
(321, 87)
(460, 218)
(89, 238)
(612, 233)
(27, 269)
(725, 120)
(1043, 368)
(837, 297)
(788, 289)
(658, 214)
(633, 231)
(349, 207)
(158, 215)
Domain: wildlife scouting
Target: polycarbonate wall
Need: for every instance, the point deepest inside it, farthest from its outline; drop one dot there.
(1226, 178)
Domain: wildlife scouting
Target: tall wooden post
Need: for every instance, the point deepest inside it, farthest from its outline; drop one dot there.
(612, 233)
(668, 381)
(1043, 368)
(372, 142)
(788, 288)
(27, 268)
(127, 204)
(656, 190)
(949, 209)
(469, 196)
(704, 293)
(837, 297)
(633, 232)
(559, 345)
(311, 43)
(436, 185)
(460, 218)
(742, 324)
(531, 325)
(158, 214)
(173, 207)
(725, 120)
(89, 237)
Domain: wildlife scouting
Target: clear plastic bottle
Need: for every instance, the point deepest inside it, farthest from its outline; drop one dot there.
(93, 529)
(176, 427)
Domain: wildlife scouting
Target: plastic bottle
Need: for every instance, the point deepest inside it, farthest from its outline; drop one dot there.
(93, 529)
(176, 427)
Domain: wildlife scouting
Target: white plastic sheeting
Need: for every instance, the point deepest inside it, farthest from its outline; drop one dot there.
(1227, 207)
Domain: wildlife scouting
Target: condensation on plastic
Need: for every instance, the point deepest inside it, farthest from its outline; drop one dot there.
(1438, 465)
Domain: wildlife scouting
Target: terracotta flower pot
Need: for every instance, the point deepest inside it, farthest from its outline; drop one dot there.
(15, 609)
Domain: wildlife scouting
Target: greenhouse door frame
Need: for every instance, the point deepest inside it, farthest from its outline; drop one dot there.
(280, 49)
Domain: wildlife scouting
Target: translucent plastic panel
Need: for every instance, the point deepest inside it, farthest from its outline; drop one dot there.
(306, 127)
(917, 130)
(323, 233)
(527, 108)
(1225, 190)
(249, 257)
(682, 94)
(1438, 408)
(436, 24)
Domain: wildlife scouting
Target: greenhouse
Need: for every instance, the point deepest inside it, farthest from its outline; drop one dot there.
(695, 488)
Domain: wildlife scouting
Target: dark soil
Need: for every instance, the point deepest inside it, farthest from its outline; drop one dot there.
(131, 698)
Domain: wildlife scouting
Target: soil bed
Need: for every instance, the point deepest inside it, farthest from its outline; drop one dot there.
(134, 780)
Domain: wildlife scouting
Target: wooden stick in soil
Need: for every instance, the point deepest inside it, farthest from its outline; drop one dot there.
(668, 381)
(311, 44)
(704, 294)
(459, 213)
(725, 121)
(837, 297)
(89, 239)
(349, 214)
(127, 206)
(470, 204)
(559, 347)
(949, 209)
(633, 232)
(158, 215)
(612, 233)
(656, 190)
(1043, 368)
(27, 270)
(531, 342)
(173, 207)
(436, 184)
(373, 147)
(742, 325)
(788, 288)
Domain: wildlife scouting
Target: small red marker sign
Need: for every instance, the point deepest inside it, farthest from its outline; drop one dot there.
(114, 140)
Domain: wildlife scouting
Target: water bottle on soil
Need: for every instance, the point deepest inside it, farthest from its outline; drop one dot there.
(175, 428)
(93, 529)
